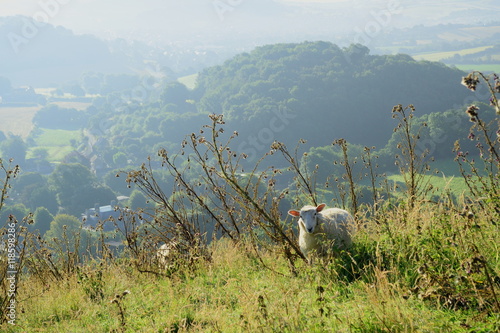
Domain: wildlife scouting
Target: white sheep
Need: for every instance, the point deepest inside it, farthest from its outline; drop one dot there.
(321, 230)
(165, 253)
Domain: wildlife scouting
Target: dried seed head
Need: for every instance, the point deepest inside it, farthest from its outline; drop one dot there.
(497, 86)
(472, 113)
(470, 81)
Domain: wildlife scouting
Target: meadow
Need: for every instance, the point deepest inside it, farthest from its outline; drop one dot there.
(419, 273)
(57, 142)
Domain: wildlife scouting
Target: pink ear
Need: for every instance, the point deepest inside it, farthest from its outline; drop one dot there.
(295, 213)
(320, 207)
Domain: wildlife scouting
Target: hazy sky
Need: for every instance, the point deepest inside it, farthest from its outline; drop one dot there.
(119, 17)
(131, 18)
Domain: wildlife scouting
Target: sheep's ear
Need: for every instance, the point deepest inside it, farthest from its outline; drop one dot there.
(295, 213)
(320, 207)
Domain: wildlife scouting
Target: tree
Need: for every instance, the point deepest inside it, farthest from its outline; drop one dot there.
(139, 201)
(55, 117)
(63, 226)
(92, 195)
(14, 148)
(32, 190)
(332, 88)
(42, 219)
(27, 179)
(69, 182)
(175, 93)
(74, 89)
(356, 53)
(43, 197)
(115, 179)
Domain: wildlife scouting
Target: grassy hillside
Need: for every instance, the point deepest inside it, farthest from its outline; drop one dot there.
(395, 279)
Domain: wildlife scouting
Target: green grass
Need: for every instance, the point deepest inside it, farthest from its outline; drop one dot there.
(485, 68)
(57, 142)
(189, 80)
(444, 177)
(441, 183)
(234, 293)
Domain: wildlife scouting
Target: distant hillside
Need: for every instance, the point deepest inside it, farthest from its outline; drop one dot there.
(39, 54)
(328, 92)
(315, 91)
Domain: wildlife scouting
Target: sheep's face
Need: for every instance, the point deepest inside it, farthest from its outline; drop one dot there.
(308, 217)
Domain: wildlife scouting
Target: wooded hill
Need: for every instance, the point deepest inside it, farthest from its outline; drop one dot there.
(316, 91)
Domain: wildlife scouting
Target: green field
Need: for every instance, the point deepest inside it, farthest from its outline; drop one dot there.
(437, 56)
(57, 142)
(485, 68)
(441, 184)
(189, 80)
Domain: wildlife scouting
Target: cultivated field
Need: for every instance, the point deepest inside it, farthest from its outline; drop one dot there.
(17, 120)
(437, 56)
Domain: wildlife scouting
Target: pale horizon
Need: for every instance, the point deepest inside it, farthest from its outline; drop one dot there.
(223, 19)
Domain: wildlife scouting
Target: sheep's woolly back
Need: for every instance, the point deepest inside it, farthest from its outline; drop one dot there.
(333, 231)
(337, 224)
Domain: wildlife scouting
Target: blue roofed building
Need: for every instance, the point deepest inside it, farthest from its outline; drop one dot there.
(110, 216)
